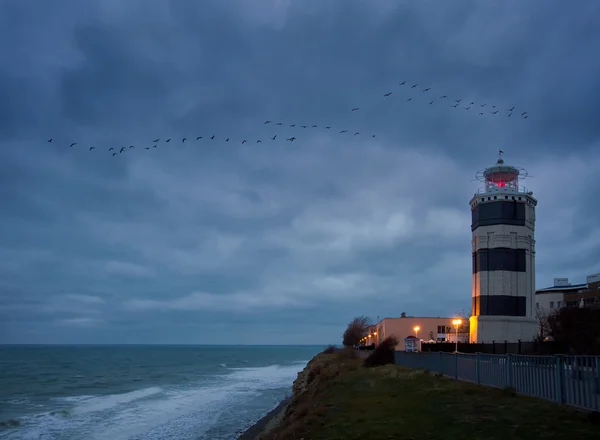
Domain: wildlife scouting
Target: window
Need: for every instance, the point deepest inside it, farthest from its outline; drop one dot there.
(519, 198)
(506, 197)
(537, 305)
(442, 329)
(558, 304)
(551, 304)
(494, 197)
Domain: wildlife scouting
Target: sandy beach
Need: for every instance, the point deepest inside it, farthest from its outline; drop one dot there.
(271, 419)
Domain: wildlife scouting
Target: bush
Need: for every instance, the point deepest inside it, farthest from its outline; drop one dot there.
(347, 353)
(331, 349)
(383, 353)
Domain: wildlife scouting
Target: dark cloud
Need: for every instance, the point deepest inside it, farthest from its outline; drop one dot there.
(215, 241)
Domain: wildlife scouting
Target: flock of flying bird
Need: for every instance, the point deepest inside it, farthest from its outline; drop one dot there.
(493, 110)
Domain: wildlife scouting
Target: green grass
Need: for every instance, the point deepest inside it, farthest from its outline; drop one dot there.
(391, 402)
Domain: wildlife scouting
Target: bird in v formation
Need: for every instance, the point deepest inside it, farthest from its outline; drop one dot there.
(442, 98)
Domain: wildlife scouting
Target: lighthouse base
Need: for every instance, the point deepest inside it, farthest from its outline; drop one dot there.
(502, 328)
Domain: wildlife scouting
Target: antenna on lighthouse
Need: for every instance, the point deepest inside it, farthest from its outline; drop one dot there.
(500, 160)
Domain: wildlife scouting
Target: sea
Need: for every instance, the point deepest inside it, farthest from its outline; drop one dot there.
(142, 392)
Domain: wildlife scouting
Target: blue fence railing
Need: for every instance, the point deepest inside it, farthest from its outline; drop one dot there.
(572, 380)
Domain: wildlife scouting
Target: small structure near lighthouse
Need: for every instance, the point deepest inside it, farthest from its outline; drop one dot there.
(503, 226)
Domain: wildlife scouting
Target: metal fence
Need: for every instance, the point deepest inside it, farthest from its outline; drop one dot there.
(572, 380)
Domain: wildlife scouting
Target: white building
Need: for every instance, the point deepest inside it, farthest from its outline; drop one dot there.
(563, 294)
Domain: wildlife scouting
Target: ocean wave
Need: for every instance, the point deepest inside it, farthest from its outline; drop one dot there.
(169, 411)
(107, 402)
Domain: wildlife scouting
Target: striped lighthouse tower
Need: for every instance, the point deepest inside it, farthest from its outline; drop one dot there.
(503, 225)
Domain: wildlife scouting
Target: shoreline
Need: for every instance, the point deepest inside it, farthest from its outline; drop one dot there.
(268, 421)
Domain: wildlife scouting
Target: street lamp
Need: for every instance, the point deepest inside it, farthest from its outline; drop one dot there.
(456, 323)
(416, 329)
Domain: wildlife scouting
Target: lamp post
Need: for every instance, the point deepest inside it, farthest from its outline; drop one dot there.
(416, 329)
(456, 323)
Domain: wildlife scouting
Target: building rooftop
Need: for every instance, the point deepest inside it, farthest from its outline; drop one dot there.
(568, 288)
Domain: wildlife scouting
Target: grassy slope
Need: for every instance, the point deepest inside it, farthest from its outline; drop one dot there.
(346, 401)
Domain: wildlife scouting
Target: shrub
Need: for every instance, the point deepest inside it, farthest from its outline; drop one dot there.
(347, 353)
(331, 349)
(383, 353)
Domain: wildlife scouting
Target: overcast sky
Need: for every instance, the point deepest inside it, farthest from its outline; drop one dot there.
(279, 242)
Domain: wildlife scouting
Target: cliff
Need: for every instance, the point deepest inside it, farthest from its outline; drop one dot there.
(335, 397)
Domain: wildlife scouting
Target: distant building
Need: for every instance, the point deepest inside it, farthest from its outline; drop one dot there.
(565, 294)
(436, 329)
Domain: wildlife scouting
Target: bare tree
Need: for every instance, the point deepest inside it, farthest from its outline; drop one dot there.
(465, 327)
(356, 330)
(544, 325)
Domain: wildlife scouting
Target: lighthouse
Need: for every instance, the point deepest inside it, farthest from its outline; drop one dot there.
(503, 248)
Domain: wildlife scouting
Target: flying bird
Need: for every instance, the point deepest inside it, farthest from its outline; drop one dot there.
(156, 140)
(153, 146)
(467, 108)
(327, 128)
(427, 89)
(293, 125)
(443, 96)
(122, 149)
(412, 87)
(292, 139)
(355, 109)
(258, 141)
(495, 112)
(279, 123)
(274, 137)
(431, 102)
(244, 141)
(114, 154)
(357, 133)
(92, 148)
(183, 140)
(50, 140)
(132, 146)
(168, 140)
(525, 117)
(472, 102)
(110, 149)
(458, 100)
(511, 109)
(509, 115)
(314, 126)
(373, 135)
(409, 99)
(483, 105)
(388, 94)
(73, 144)
(304, 126)
(523, 114)
(455, 105)
(198, 138)
(213, 136)
(344, 131)
(267, 122)
(481, 113)
(402, 83)
(227, 140)
(146, 148)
